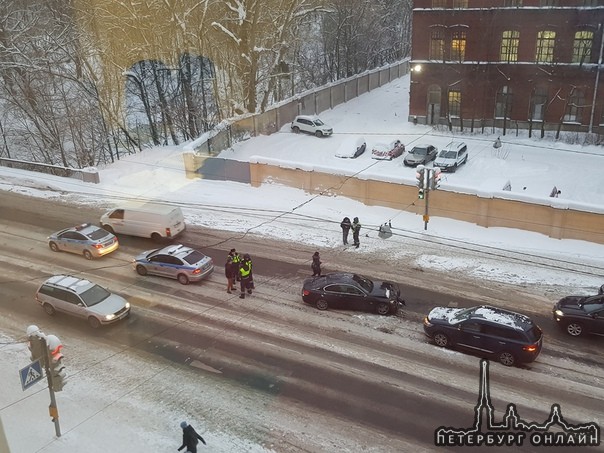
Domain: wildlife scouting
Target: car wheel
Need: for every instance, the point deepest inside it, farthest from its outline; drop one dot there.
(440, 339)
(54, 247)
(183, 279)
(383, 308)
(454, 169)
(156, 237)
(507, 358)
(49, 309)
(296, 129)
(318, 134)
(87, 255)
(94, 322)
(141, 270)
(322, 304)
(574, 329)
(108, 229)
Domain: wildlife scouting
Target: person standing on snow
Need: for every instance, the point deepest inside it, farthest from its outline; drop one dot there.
(230, 271)
(316, 265)
(345, 225)
(190, 438)
(356, 229)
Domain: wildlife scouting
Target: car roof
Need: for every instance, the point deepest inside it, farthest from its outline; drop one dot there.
(500, 316)
(178, 250)
(77, 285)
(422, 145)
(307, 117)
(454, 145)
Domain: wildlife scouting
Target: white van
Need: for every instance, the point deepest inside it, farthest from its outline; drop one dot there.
(148, 220)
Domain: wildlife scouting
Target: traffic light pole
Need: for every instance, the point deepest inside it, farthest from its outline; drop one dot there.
(52, 409)
(426, 216)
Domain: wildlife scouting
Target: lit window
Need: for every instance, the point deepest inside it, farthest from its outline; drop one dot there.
(439, 3)
(437, 44)
(460, 3)
(512, 3)
(591, 3)
(458, 45)
(574, 109)
(509, 45)
(538, 103)
(454, 103)
(548, 3)
(503, 106)
(545, 46)
(582, 46)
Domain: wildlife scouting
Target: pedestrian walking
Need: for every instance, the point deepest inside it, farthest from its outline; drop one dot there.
(356, 229)
(230, 271)
(316, 265)
(245, 275)
(345, 225)
(190, 438)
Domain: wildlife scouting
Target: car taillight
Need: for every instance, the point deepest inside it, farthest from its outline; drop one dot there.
(168, 232)
(98, 246)
(530, 348)
(305, 292)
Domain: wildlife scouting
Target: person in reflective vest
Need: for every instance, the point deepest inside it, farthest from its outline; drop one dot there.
(245, 274)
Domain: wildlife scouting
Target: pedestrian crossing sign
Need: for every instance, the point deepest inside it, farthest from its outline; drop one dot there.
(31, 374)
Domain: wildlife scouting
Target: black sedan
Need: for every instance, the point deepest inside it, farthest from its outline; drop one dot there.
(578, 315)
(347, 291)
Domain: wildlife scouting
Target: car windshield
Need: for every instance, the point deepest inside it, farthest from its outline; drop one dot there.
(448, 154)
(419, 151)
(98, 234)
(152, 253)
(365, 283)
(534, 333)
(462, 315)
(318, 122)
(94, 295)
(194, 257)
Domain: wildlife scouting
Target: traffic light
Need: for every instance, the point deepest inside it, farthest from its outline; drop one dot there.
(36, 344)
(55, 365)
(420, 177)
(420, 194)
(436, 177)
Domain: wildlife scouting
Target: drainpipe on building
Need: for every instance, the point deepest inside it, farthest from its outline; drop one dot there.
(593, 102)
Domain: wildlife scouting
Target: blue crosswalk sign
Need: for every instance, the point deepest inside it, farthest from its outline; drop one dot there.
(31, 374)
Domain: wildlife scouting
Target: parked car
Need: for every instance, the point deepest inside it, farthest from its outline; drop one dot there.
(509, 337)
(421, 154)
(83, 299)
(346, 291)
(311, 125)
(388, 152)
(579, 315)
(88, 240)
(452, 156)
(351, 147)
(175, 261)
(147, 220)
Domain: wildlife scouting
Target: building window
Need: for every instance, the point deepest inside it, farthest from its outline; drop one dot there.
(548, 3)
(458, 45)
(538, 103)
(574, 108)
(582, 46)
(460, 3)
(591, 3)
(437, 44)
(509, 45)
(503, 106)
(545, 46)
(454, 103)
(439, 3)
(512, 3)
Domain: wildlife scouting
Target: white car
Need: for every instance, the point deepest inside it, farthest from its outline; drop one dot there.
(352, 147)
(311, 125)
(452, 156)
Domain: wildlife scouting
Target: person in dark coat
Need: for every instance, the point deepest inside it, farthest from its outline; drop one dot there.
(356, 229)
(345, 225)
(316, 265)
(230, 272)
(190, 438)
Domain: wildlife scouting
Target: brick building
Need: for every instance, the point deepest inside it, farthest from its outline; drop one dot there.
(531, 64)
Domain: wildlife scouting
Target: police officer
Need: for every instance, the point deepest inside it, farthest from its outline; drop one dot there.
(356, 229)
(245, 274)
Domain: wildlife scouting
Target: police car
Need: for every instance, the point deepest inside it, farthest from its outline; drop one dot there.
(174, 261)
(85, 239)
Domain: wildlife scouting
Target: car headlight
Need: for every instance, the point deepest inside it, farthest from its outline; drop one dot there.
(559, 313)
(427, 322)
(109, 317)
(127, 305)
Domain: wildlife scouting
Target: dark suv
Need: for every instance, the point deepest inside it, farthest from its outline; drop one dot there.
(506, 336)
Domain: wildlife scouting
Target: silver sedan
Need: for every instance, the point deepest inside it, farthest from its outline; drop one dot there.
(86, 239)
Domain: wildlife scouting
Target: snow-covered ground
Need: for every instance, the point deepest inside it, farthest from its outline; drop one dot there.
(532, 166)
